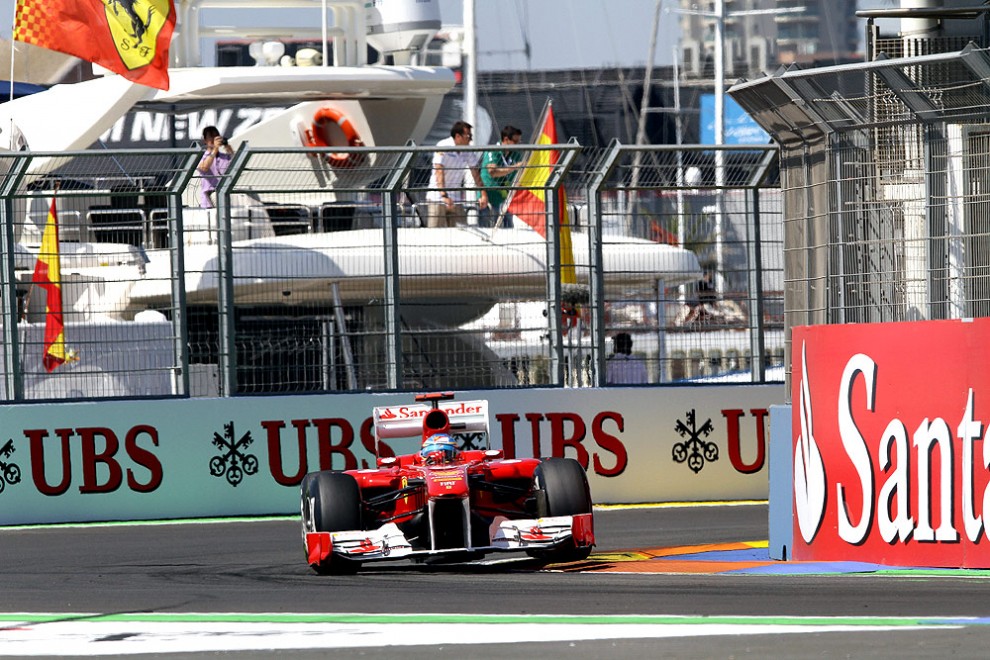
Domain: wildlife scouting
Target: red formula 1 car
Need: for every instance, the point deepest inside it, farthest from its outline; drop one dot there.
(447, 502)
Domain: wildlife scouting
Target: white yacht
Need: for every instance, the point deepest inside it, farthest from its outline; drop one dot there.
(449, 277)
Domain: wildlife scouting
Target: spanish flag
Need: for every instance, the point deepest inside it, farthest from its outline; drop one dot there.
(48, 276)
(529, 203)
(129, 37)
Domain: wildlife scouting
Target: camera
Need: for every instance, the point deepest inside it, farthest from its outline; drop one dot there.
(223, 142)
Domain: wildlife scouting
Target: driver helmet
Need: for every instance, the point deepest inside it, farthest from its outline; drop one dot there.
(438, 449)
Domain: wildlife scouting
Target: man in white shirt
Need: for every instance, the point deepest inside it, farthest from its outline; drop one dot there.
(623, 368)
(448, 179)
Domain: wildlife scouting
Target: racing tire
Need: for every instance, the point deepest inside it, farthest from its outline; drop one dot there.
(561, 488)
(336, 507)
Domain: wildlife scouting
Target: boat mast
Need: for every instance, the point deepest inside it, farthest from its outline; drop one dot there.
(718, 16)
(470, 52)
(323, 37)
(644, 105)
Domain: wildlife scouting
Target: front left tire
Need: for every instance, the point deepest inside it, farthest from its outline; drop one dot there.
(330, 502)
(561, 489)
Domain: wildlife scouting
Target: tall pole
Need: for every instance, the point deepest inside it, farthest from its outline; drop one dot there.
(719, 77)
(679, 138)
(718, 18)
(644, 105)
(471, 67)
(644, 108)
(719, 279)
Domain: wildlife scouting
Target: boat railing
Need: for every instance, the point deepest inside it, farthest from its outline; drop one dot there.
(115, 225)
(287, 219)
(70, 229)
(158, 233)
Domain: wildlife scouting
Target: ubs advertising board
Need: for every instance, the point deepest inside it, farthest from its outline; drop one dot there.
(890, 452)
(166, 459)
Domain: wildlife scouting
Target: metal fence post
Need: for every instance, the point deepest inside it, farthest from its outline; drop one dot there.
(596, 278)
(554, 289)
(176, 237)
(554, 309)
(390, 235)
(757, 345)
(225, 263)
(13, 376)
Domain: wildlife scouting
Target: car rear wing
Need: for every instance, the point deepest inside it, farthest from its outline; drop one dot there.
(407, 421)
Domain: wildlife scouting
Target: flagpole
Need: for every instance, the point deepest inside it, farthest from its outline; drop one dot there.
(532, 140)
(326, 55)
(27, 301)
(47, 274)
(27, 296)
(471, 70)
(541, 121)
(10, 79)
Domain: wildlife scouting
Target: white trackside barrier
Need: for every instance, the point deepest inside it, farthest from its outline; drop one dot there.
(138, 460)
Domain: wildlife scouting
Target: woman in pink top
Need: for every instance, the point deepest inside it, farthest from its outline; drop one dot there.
(213, 165)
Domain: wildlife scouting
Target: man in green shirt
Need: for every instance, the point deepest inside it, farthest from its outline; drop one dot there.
(498, 169)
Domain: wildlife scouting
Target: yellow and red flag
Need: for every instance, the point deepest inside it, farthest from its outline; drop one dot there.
(48, 276)
(129, 37)
(529, 202)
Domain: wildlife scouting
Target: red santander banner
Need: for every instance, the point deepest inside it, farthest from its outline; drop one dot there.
(889, 430)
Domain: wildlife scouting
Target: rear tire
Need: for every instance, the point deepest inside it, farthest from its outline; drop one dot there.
(561, 488)
(330, 502)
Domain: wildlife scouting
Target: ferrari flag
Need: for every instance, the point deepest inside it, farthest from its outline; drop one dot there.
(129, 37)
(529, 203)
(48, 276)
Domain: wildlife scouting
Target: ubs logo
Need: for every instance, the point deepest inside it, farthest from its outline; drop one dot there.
(695, 450)
(233, 462)
(10, 472)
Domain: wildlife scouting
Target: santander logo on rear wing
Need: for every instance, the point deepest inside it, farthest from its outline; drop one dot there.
(407, 420)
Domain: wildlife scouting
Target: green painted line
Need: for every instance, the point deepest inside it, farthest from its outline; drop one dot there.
(957, 573)
(646, 619)
(936, 572)
(681, 505)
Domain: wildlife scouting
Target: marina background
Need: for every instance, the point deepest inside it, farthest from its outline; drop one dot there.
(562, 34)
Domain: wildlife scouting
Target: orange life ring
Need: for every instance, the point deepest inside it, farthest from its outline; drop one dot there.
(328, 124)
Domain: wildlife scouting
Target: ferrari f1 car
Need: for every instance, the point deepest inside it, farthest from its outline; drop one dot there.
(451, 501)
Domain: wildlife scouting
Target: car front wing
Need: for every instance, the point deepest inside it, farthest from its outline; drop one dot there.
(389, 543)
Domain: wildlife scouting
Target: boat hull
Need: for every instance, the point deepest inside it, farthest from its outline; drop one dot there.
(454, 274)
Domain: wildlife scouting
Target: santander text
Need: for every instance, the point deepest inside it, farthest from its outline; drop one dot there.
(913, 474)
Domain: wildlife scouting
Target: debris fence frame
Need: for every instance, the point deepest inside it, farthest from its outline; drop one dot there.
(317, 271)
(884, 177)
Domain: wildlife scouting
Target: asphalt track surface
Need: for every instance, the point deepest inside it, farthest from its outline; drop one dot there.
(222, 586)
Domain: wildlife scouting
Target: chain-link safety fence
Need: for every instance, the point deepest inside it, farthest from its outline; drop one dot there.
(333, 269)
(885, 176)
